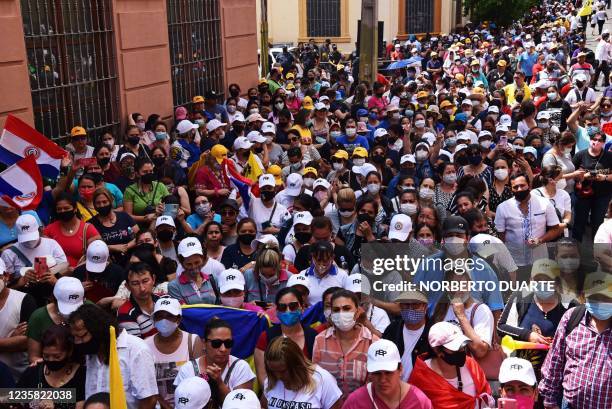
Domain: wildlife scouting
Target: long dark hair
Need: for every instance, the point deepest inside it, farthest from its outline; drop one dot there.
(59, 336)
(97, 322)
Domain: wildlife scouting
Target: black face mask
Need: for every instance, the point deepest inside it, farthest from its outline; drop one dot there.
(259, 150)
(238, 128)
(303, 236)
(246, 239)
(146, 247)
(158, 161)
(103, 162)
(148, 178)
(378, 159)
(266, 195)
(55, 365)
(522, 195)
(461, 160)
(475, 160)
(165, 235)
(65, 216)
(454, 358)
(234, 93)
(364, 217)
(133, 140)
(87, 348)
(104, 210)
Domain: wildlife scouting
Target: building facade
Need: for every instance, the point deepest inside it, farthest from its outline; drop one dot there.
(290, 22)
(94, 62)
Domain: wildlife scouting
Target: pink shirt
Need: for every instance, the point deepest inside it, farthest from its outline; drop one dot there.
(360, 399)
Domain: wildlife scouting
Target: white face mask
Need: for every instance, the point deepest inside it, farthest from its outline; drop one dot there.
(373, 188)
(501, 174)
(235, 302)
(337, 166)
(551, 96)
(30, 244)
(485, 144)
(166, 327)
(568, 265)
(320, 195)
(346, 213)
(358, 161)
(421, 155)
(351, 131)
(567, 151)
(543, 125)
(335, 134)
(419, 123)
(327, 314)
(454, 245)
(449, 111)
(426, 193)
(409, 209)
(279, 106)
(343, 321)
(450, 178)
(308, 182)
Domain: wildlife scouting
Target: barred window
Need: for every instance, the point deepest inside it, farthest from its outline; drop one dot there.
(419, 16)
(323, 18)
(71, 65)
(194, 30)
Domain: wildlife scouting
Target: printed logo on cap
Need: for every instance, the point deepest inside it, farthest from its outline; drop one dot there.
(300, 278)
(96, 258)
(25, 228)
(398, 226)
(239, 396)
(357, 281)
(231, 277)
(190, 244)
(518, 367)
(597, 282)
(73, 297)
(164, 302)
(380, 352)
(183, 401)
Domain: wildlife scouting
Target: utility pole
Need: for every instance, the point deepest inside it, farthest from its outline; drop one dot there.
(368, 41)
(263, 53)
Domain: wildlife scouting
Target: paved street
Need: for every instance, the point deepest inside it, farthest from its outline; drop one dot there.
(592, 44)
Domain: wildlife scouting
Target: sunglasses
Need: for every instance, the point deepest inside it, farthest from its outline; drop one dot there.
(216, 343)
(292, 306)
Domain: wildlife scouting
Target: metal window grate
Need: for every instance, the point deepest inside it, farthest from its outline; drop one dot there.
(71, 65)
(323, 18)
(419, 16)
(194, 29)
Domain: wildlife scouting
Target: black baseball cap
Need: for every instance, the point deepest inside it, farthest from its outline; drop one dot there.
(455, 224)
(229, 203)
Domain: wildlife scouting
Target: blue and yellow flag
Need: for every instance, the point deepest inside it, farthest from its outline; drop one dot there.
(117, 393)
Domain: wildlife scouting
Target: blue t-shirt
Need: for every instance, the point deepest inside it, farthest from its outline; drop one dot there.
(350, 146)
(481, 272)
(527, 61)
(9, 234)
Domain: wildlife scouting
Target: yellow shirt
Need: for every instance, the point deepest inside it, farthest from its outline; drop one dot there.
(511, 89)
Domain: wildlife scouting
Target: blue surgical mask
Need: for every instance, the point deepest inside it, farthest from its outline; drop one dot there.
(409, 113)
(544, 295)
(600, 310)
(160, 136)
(592, 130)
(289, 318)
(165, 327)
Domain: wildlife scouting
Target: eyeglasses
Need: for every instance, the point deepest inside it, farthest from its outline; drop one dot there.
(292, 306)
(216, 343)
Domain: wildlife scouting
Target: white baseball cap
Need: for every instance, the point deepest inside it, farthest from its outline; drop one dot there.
(380, 132)
(321, 182)
(407, 158)
(530, 149)
(463, 136)
(543, 115)
(2, 268)
(505, 119)
(460, 147)
(383, 355)
(264, 239)
(255, 118)
(294, 184)
(493, 109)
(400, 227)
(185, 126)
(242, 143)
(298, 279)
(319, 106)
(192, 393)
(447, 335)
(302, 218)
(241, 399)
(501, 128)
(267, 179)
(164, 220)
(231, 279)
(484, 244)
(484, 133)
(214, 124)
(517, 369)
(580, 77)
(238, 117)
(255, 136)
(97, 256)
(364, 169)
(357, 283)
(467, 102)
(190, 246)
(430, 137)
(268, 127)
(69, 292)
(127, 155)
(168, 304)
(27, 228)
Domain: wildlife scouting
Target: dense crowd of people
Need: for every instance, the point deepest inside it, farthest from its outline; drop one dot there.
(490, 145)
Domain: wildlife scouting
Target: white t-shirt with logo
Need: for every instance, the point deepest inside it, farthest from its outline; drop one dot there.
(325, 394)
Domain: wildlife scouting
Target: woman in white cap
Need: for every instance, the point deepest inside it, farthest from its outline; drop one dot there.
(448, 376)
(171, 346)
(241, 399)
(192, 393)
(294, 380)
(386, 389)
(518, 381)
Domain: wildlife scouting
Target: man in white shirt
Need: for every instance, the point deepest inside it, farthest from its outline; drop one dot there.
(603, 55)
(89, 326)
(29, 246)
(269, 215)
(525, 223)
(581, 92)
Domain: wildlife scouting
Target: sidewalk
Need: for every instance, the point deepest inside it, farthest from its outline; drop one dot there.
(592, 44)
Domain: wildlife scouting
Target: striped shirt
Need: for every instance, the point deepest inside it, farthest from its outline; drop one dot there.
(348, 368)
(134, 320)
(578, 367)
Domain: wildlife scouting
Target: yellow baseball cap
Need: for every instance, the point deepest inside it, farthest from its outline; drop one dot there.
(341, 154)
(307, 103)
(78, 131)
(502, 63)
(310, 169)
(474, 62)
(276, 171)
(198, 99)
(445, 104)
(263, 81)
(219, 152)
(460, 77)
(361, 152)
(290, 75)
(546, 267)
(422, 94)
(290, 87)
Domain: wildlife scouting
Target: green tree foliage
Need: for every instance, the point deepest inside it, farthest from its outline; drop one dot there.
(502, 12)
